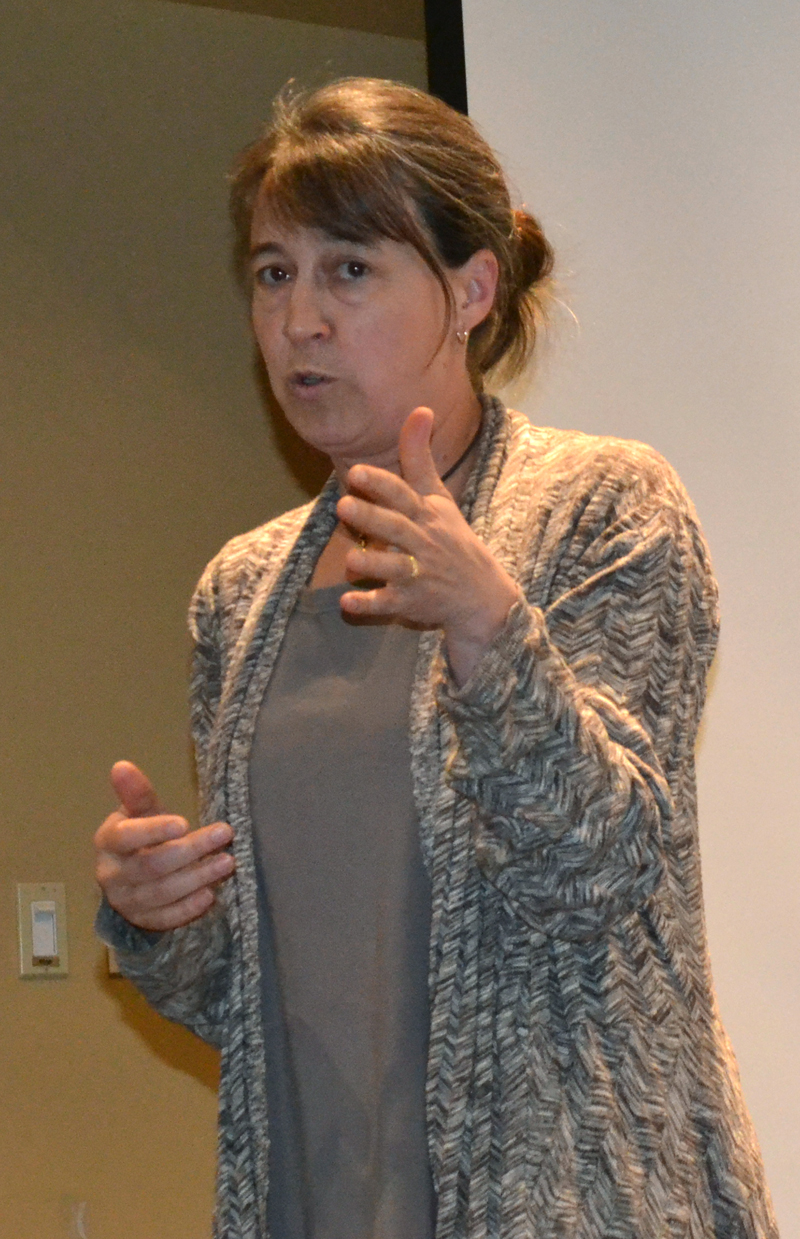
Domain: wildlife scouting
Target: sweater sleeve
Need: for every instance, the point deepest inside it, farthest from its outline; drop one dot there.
(183, 973)
(573, 720)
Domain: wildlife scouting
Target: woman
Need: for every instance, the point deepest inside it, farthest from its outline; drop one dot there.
(445, 716)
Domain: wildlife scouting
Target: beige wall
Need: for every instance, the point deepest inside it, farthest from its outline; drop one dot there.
(133, 442)
(659, 143)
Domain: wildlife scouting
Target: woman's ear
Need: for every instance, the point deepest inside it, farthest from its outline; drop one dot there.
(474, 287)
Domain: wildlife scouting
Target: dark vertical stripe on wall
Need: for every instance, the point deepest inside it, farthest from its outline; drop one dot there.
(447, 70)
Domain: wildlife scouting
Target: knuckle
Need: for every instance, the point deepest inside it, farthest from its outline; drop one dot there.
(195, 849)
(106, 833)
(150, 865)
(205, 871)
(204, 899)
(202, 841)
(219, 866)
(105, 872)
(136, 899)
(198, 898)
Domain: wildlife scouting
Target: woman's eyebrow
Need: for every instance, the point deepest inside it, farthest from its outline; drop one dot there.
(274, 248)
(267, 247)
(333, 239)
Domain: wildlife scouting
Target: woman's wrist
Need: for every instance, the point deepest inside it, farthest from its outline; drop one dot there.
(468, 639)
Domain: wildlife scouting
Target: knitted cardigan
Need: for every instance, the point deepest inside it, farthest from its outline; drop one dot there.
(580, 1085)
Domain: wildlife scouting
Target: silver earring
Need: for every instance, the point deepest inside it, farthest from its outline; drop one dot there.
(462, 336)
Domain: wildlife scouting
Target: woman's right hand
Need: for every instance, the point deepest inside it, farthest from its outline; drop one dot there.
(153, 870)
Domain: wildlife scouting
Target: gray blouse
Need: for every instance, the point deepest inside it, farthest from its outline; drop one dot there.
(344, 923)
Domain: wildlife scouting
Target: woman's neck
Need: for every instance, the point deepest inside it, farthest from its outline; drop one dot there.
(454, 437)
(453, 442)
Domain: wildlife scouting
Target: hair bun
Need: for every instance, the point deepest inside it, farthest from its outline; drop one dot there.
(535, 254)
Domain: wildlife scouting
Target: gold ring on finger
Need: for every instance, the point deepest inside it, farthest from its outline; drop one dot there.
(414, 566)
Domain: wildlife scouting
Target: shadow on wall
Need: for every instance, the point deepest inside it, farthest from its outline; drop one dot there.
(171, 1043)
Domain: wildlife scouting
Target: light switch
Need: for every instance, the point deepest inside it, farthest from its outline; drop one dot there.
(44, 931)
(42, 921)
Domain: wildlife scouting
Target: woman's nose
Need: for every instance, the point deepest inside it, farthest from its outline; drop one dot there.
(304, 319)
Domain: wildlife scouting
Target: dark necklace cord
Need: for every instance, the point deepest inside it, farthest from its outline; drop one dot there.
(463, 455)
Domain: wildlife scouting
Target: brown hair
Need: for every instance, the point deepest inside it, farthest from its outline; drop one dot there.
(364, 158)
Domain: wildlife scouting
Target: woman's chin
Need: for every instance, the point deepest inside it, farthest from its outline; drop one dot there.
(341, 433)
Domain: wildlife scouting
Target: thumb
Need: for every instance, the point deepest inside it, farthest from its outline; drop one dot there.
(136, 792)
(416, 461)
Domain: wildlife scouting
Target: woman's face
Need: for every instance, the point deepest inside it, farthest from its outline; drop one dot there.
(352, 338)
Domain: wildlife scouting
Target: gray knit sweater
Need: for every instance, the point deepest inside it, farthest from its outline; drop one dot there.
(580, 1085)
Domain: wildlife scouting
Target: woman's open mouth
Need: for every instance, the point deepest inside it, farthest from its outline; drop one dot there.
(309, 380)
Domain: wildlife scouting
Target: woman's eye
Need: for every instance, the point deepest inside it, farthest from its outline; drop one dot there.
(353, 269)
(272, 276)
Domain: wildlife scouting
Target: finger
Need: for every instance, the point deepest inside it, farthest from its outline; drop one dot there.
(416, 460)
(383, 488)
(177, 914)
(393, 567)
(150, 863)
(125, 835)
(371, 602)
(136, 793)
(149, 896)
(379, 523)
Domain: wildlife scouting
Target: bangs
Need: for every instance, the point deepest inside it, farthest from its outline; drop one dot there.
(343, 189)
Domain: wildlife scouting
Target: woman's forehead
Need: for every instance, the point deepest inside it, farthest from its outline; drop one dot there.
(269, 231)
(332, 212)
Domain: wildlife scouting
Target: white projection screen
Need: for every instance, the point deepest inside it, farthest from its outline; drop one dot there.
(659, 145)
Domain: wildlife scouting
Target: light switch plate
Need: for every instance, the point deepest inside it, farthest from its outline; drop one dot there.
(38, 899)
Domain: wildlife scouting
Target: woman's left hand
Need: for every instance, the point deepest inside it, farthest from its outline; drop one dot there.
(437, 572)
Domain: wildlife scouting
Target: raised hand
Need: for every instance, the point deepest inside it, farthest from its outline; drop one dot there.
(153, 870)
(437, 572)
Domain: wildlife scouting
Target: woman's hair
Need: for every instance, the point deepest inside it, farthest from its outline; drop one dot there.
(363, 159)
